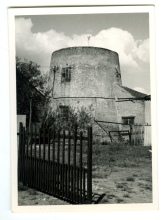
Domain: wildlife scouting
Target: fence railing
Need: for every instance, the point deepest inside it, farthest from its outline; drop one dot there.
(56, 163)
(136, 134)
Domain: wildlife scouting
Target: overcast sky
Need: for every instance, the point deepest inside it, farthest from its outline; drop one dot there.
(38, 36)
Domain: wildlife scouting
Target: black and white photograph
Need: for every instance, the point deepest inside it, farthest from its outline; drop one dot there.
(82, 107)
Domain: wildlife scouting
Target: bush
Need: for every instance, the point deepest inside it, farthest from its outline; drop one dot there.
(105, 142)
(75, 119)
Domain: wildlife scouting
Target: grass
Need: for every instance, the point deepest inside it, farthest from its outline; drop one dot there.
(109, 155)
(120, 200)
(120, 185)
(120, 155)
(21, 187)
(131, 179)
(149, 187)
(126, 195)
(145, 185)
(130, 172)
(111, 196)
(105, 201)
(33, 192)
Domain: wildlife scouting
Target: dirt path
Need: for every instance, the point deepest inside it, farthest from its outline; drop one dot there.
(125, 186)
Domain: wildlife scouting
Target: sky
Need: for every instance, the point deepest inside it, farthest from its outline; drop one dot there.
(38, 36)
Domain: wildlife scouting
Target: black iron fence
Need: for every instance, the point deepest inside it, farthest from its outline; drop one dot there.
(56, 163)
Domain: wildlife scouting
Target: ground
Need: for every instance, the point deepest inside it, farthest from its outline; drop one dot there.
(122, 172)
(33, 197)
(125, 175)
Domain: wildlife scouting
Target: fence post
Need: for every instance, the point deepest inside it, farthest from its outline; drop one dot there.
(89, 167)
(81, 170)
(130, 134)
(74, 163)
(69, 170)
(23, 156)
(20, 151)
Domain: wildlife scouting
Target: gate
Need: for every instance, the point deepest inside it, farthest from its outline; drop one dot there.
(56, 163)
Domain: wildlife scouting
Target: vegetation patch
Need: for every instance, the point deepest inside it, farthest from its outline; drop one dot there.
(126, 195)
(120, 201)
(131, 179)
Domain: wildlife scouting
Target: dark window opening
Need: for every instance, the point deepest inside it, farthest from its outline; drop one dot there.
(118, 75)
(128, 120)
(64, 111)
(66, 74)
(55, 69)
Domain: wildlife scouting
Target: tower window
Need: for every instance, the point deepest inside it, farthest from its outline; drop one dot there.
(66, 74)
(128, 120)
(64, 111)
(118, 75)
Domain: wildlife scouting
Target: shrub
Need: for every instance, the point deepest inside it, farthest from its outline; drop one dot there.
(105, 142)
(76, 119)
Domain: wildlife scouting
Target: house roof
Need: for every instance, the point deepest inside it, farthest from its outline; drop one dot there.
(136, 94)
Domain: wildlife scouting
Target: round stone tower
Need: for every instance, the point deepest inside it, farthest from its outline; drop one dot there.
(85, 76)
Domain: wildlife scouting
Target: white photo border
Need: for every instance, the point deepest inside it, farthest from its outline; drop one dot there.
(12, 12)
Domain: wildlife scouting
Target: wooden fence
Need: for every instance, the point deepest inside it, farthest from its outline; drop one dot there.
(147, 135)
(135, 134)
(140, 135)
(56, 163)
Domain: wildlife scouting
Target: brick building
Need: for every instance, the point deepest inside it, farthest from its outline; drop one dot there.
(91, 77)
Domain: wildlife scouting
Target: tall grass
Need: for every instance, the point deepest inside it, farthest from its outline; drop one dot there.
(120, 155)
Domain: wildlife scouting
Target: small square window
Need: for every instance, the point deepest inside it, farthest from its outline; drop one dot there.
(64, 111)
(66, 74)
(128, 120)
